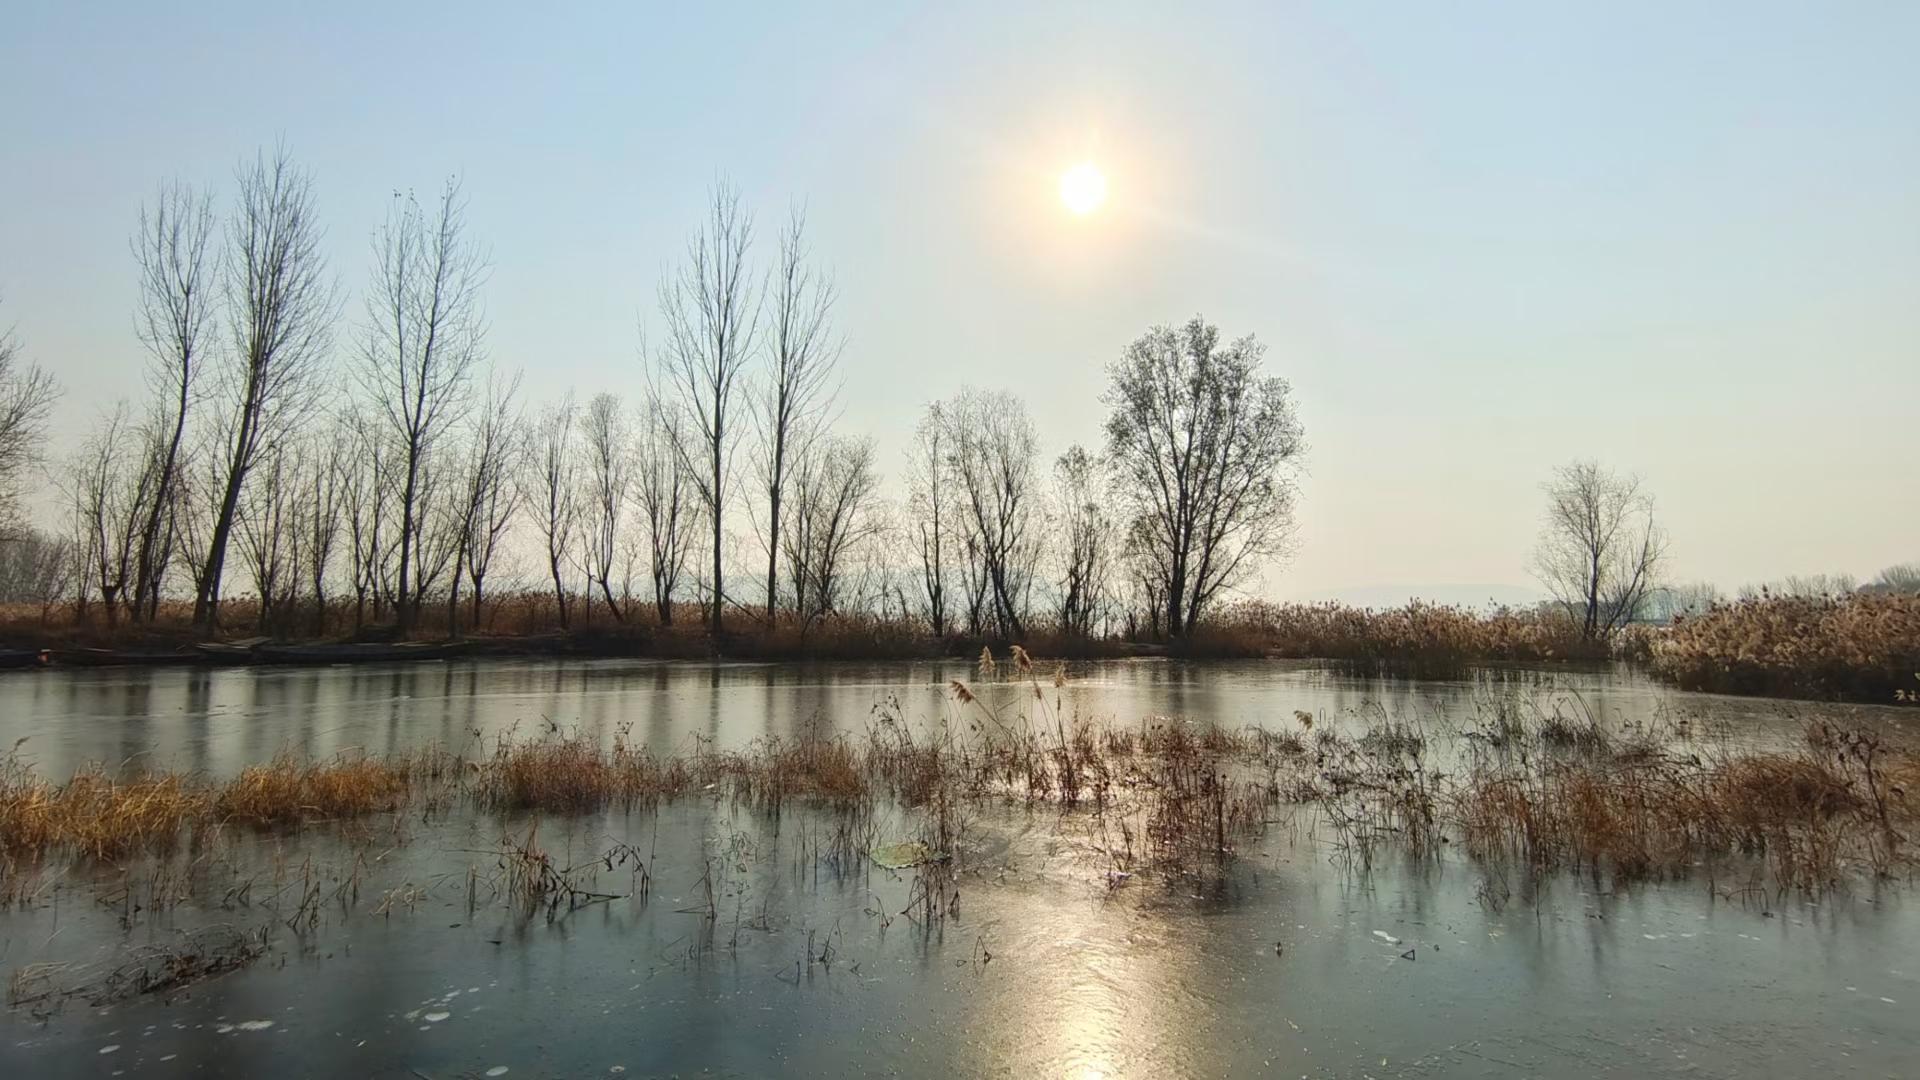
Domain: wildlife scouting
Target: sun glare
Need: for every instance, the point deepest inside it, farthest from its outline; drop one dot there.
(1083, 188)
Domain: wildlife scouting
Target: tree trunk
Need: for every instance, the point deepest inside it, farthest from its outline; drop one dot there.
(407, 608)
(206, 602)
(559, 587)
(719, 590)
(773, 539)
(147, 578)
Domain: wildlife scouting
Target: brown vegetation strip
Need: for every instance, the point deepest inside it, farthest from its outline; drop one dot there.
(1553, 795)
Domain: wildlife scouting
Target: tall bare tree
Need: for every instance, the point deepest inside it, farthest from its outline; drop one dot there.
(1203, 446)
(424, 339)
(27, 395)
(179, 270)
(711, 316)
(1085, 535)
(551, 490)
(1142, 558)
(280, 305)
(324, 482)
(609, 479)
(36, 568)
(834, 515)
(109, 482)
(272, 530)
(442, 520)
(490, 496)
(994, 446)
(929, 500)
(1600, 549)
(367, 492)
(664, 491)
(797, 390)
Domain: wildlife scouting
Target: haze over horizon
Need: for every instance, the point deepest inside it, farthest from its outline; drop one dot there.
(1684, 243)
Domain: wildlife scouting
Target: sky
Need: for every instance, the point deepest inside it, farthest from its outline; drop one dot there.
(1480, 240)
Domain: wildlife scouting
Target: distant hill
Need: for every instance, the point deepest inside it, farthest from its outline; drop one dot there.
(1385, 596)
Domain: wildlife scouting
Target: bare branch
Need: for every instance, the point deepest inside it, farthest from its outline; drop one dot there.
(712, 314)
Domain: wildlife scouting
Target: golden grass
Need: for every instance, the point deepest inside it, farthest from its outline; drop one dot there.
(286, 791)
(1861, 646)
(93, 813)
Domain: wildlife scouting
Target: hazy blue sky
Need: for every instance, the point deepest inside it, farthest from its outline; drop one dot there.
(1480, 239)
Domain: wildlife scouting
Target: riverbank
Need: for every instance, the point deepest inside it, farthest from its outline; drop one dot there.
(1863, 648)
(592, 644)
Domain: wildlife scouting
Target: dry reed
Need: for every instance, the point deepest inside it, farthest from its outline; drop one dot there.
(1860, 646)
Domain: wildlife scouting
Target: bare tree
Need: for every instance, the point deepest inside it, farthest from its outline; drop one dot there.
(608, 486)
(442, 524)
(367, 487)
(27, 395)
(664, 491)
(1084, 534)
(1600, 549)
(1666, 603)
(424, 339)
(929, 500)
(1203, 448)
(36, 568)
(326, 477)
(179, 269)
(976, 579)
(491, 499)
(797, 390)
(551, 489)
(834, 515)
(1146, 577)
(109, 484)
(1899, 578)
(280, 304)
(1804, 586)
(994, 447)
(270, 527)
(711, 314)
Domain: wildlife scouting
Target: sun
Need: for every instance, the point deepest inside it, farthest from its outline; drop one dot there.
(1083, 188)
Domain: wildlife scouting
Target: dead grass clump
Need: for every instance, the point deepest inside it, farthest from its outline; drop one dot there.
(1583, 734)
(287, 792)
(1779, 791)
(269, 794)
(572, 775)
(1394, 738)
(104, 817)
(27, 820)
(913, 772)
(93, 813)
(776, 770)
(1629, 819)
(1812, 817)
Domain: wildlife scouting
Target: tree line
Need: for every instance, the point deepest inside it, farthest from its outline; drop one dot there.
(351, 460)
